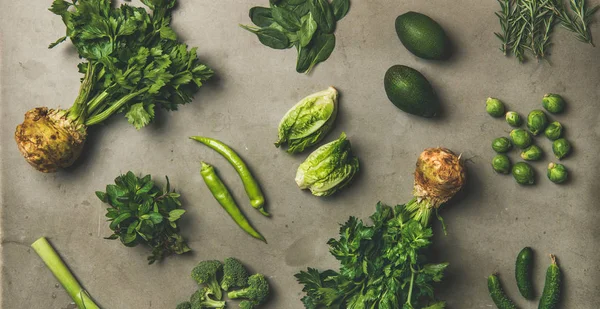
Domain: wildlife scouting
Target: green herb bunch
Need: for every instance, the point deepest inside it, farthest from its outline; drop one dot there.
(527, 25)
(382, 266)
(141, 212)
(307, 25)
(134, 61)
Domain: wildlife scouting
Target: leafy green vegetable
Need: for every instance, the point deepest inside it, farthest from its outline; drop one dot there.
(141, 212)
(323, 14)
(382, 265)
(261, 16)
(328, 169)
(308, 121)
(308, 29)
(132, 64)
(318, 51)
(340, 8)
(287, 19)
(271, 37)
(306, 24)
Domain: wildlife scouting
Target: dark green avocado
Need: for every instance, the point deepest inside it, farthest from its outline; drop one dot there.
(410, 91)
(423, 36)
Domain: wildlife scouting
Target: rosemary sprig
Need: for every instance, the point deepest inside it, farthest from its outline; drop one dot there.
(579, 22)
(526, 25)
(505, 15)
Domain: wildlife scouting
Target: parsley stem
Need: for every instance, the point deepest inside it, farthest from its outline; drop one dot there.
(410, 288)
(56, 265)
(114, 107)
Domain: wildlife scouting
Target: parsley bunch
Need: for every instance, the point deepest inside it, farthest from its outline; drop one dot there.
(141, 212)
(382, 266)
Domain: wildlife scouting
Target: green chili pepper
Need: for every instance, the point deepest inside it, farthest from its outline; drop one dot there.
(222, 195)
(257, 199)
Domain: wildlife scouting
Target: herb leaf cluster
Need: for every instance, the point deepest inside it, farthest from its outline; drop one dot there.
(382, 266)
(133, 59)
(141, 212)
(526, 25)
(307, 25)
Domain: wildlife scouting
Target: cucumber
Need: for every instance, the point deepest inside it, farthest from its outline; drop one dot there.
(497, 293)
(523, 273)
(551, 294)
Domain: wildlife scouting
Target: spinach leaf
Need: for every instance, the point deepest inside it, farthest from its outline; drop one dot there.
(317, 51)
(286, 18)
(270, 37)
(295, 2)
(323, 15)
(261, 16)
(340, 8)
(308, 29)
(292, 36)
(301, 9)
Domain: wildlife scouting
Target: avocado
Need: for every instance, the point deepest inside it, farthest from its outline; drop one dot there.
(423, 36)
(410, 91)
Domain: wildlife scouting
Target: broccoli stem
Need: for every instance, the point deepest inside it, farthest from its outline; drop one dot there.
(53, 261)
(211, 303)
(96, 119)
(238, 294)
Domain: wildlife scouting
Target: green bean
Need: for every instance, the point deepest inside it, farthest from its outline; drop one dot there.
(222, 195)
(257, 199)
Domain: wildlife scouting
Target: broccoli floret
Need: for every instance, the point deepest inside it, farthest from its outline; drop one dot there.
(246, 304)
(206, 272)
(201, 299)
(257, 290)
(235, 274)
(186, 305)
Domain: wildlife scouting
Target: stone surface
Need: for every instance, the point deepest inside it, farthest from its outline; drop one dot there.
(242, 106)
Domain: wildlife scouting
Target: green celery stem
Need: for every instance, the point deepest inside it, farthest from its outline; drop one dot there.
(113, 108)
(95, 102)
(53, 261)
(420, 210)
(78, 111)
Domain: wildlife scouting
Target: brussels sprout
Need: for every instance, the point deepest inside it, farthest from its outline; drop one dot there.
(557, 173)
(537, 121)
(501, 164)
(520, 138)
(553, 103)
(501, 145)
(554, 131)
(308, 121)
(514, 119)
(494, 107)
(523, 173)
(561, 147)
(329, 168)
(532, 153)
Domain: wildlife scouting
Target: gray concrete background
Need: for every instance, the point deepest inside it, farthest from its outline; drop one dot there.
(242, 106)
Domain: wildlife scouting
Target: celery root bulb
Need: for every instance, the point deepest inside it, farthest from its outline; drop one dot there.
(49, 140)
(439, 175)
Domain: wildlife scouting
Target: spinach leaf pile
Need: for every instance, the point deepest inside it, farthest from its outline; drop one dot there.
(382, 266)
(307, 25)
